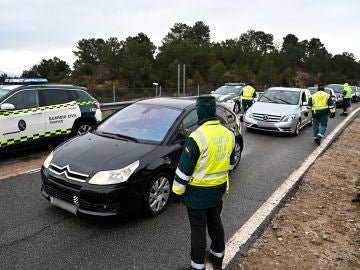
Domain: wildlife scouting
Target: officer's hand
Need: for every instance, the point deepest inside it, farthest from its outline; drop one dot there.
(176, 198)
(306, 114)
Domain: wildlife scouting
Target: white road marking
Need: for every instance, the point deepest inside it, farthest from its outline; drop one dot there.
(32, 171)
(246, 231)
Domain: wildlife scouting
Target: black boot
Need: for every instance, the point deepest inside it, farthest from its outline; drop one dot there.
(215, 261)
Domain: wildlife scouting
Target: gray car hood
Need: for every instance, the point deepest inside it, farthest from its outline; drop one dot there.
(274, 108)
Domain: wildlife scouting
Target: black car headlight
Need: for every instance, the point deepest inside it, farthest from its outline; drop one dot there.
(114, 176)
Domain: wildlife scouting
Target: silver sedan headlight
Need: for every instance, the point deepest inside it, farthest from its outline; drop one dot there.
(248, 113)
(115, 176)
(288, 118)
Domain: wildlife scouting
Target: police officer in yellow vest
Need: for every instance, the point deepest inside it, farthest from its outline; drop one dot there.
(321, 104)
(346, 98)
(247, 98)
(202, 179)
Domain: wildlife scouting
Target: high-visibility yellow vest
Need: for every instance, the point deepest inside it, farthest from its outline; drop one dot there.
(348, 91)
(248, 92)
(320, 101)
(215, 144)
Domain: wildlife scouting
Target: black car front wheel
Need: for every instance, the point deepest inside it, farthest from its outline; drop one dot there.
(158, 194)
(237, 151)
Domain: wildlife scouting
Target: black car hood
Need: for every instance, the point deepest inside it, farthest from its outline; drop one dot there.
(90, 153)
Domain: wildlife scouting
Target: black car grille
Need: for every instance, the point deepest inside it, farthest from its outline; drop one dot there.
(66, 195)
(64, 183)
(68, 173)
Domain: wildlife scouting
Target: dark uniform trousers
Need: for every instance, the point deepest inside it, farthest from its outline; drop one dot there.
(246, 104)
(199, 218)
(345, 104)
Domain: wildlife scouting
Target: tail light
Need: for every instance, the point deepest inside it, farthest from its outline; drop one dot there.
(97, 105)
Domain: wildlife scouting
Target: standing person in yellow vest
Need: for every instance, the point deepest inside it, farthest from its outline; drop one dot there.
(201, 180)
(321, 104)
(247, 98)
(346, 98)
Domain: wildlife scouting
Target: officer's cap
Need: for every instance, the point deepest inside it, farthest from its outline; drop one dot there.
(205, 100)
(320, 87)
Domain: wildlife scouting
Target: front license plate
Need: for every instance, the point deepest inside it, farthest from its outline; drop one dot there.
(64, 205)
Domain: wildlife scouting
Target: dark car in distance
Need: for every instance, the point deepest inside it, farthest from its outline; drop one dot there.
(129, 161)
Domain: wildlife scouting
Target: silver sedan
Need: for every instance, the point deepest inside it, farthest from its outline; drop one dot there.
(279, 109)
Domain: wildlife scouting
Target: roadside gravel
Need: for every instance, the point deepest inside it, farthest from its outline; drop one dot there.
(319, 227)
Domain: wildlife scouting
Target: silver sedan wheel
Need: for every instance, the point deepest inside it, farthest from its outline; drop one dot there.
(159, 194)
(83, 128)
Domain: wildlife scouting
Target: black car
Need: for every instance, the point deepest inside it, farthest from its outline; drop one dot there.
(129, 161)
(328, 90)
(355, 96)
(338, 90)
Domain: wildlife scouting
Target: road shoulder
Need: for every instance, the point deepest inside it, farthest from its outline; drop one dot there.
(318, 228)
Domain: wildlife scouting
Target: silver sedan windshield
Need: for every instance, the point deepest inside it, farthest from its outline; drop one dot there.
(280, 97)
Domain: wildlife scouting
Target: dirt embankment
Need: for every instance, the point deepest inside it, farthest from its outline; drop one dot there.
(319, 228)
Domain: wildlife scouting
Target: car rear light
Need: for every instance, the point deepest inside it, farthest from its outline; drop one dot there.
(97, 105)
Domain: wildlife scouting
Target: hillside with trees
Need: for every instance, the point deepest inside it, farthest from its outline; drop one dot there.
(254, 57)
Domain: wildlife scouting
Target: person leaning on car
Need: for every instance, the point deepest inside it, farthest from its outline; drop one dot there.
(320, 103)
(201, 179)
(247, 98)
(346, 97)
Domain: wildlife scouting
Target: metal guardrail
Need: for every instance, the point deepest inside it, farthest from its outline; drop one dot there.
(114, 106)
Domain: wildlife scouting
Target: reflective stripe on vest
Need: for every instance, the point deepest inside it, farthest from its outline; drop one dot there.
(348, 91)
(215, 144)
(320, 101)
(248, 92)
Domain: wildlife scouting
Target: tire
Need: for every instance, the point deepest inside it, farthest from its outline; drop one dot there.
(238, 152)
(157, 195)
(82, 127)
(237, 107)
(297, 128)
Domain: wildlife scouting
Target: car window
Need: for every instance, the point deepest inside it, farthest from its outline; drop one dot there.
(303, 97)
(221, 115)
(141, 121)
(55, 96)
(191, 121)
(227, 90)
(82, 95)
(230, 117)
(24, 100)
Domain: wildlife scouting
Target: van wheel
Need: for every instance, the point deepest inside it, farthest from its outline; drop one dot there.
(82, 127)
(157, 196)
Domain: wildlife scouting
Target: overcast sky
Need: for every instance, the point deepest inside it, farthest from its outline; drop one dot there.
(31, 30)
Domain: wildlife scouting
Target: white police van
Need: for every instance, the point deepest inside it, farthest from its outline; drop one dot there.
(33, 109)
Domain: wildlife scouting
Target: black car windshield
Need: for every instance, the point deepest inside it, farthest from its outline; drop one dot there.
(141, 122)
(280, 96)
(228, 90)
(338, 88)
(314, 89)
